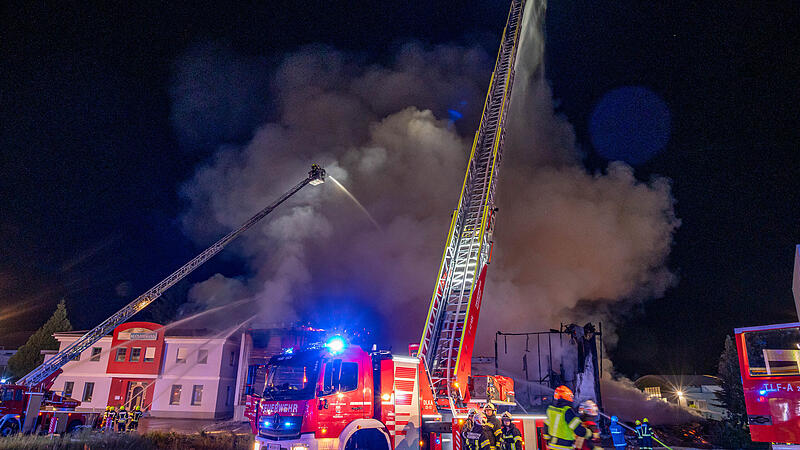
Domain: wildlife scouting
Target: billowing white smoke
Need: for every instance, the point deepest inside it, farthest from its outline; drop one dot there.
(562, 235)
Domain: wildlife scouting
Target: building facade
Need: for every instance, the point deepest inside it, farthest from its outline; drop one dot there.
(170, 373)
(5, 354)
(697, 392)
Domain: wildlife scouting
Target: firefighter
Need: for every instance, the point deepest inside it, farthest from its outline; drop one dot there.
(617, 434)
(492, 423)
(104, 418)
(122, 419)
(588, 413)
(136, 414)
(562, 425)
(638, 429)
(474, 434)
(112, 418)
(510, 437)
(467, 435)
(646, 439)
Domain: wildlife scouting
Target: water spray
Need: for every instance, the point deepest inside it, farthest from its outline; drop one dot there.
(358, 203)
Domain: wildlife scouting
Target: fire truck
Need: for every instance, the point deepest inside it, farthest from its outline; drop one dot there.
(769, 360)
(56, 412)
(30, 405)
(334, 395)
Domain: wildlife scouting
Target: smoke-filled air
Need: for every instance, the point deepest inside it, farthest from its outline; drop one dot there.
(397, 135)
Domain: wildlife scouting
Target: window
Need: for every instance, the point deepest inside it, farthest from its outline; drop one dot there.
(120, 355)
(175, 394)
(181, 356)
(339, 376)
(149, 354)
(197, 394)
(6, 395)
(653, 392)
(202, 356)
(233, 358)
(88, 390)
(773, 352)
(96, 351)
(330, 380)
(348, 377)
(136, 353)
(228, 396)
(68, 386)
(18, 395)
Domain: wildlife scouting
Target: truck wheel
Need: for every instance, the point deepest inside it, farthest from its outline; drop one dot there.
(366, 439)
(9, 428)
(74, 426)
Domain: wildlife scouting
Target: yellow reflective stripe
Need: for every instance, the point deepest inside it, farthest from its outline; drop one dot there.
(517, 438)
(574, 423)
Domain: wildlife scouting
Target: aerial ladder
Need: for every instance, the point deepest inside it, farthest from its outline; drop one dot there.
(41, 378)
(449, 333)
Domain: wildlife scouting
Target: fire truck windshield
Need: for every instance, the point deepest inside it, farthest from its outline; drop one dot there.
(773, 352)
(292, 377)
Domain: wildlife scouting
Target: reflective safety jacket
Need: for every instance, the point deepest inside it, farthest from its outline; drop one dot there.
(476, 437)
(494, 425)
(510, 438)
(123, 417)
(563, 425)
(617, 434)
(136, 415)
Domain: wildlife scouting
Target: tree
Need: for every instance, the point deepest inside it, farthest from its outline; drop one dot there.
(732, 431)
(29, 356)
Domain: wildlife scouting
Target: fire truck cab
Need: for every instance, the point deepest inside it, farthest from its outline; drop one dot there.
(769, 360)
(335, 396)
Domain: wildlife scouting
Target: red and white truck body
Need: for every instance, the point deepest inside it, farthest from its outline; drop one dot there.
(55, 412)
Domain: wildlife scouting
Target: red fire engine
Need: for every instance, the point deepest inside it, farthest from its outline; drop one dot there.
(335, 396)
(55, 412)
(769, 360)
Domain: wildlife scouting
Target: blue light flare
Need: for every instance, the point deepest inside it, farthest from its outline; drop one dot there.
(336, 345)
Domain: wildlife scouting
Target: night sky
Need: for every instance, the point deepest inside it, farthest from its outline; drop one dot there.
(90, 165)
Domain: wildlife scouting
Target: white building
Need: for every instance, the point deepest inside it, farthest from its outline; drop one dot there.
(4, 357)
(690, 391)
(171, 373)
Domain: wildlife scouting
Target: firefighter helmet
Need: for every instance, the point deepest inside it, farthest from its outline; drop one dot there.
(506, 416)
(480, 418)
(638, 422)
(644, 420)
(489, 406)
(136, 408)
(472, 412)
(589, 408)
(565, 393)
(614, 419)
(122, 408)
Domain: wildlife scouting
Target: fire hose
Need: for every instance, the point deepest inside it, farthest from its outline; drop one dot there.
(653, 436)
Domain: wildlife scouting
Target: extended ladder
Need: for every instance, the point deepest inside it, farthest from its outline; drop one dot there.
(46, 370)
(449, 333)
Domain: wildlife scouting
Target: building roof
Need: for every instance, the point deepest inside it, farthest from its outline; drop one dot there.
(676, 381)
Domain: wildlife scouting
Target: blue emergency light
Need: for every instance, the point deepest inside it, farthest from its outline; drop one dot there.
(336, 345)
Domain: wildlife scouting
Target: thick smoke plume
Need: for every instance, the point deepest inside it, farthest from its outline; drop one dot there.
(563, 235)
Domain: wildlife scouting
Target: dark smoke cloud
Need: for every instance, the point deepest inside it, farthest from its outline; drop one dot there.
(563, 235)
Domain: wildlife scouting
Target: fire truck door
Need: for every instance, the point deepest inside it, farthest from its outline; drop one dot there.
(342, 400)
